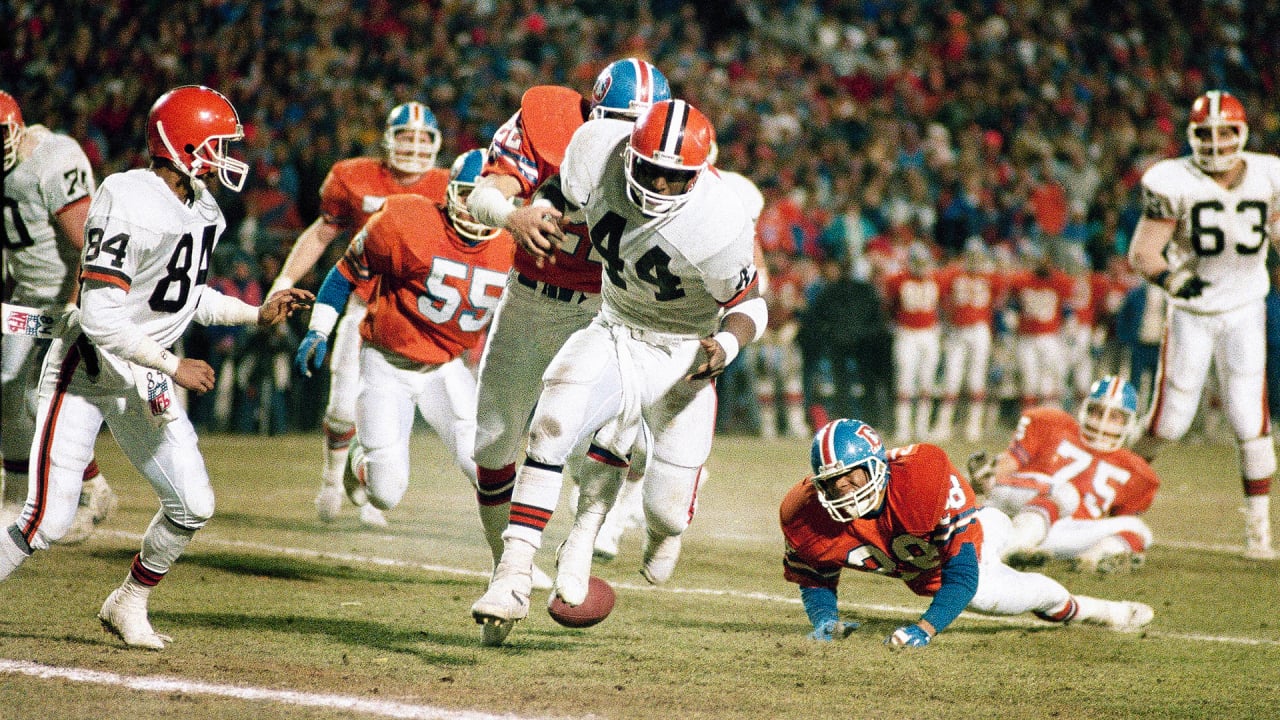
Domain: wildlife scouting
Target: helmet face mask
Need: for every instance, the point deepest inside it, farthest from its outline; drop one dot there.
(839, 449)
(14, 128)
(669, 148)
(627, 88)
(412, 138)
(190, 127)
(1109, 415)
(1217, 131)
(462, 180)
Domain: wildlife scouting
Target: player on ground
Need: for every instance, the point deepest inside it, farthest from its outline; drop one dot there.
(548, 297)
(354, 189)
(148, 240)
(1203, 237)
(680, 298)
(909, 514)
(438, 276)
(1072, 487)
(47, 186)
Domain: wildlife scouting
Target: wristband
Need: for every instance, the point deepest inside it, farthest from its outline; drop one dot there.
(323, 318)
(730, 343)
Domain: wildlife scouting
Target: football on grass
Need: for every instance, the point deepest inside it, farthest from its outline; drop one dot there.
(596, 607)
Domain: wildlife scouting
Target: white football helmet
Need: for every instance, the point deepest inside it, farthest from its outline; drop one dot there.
(14, 127)
(412, 138)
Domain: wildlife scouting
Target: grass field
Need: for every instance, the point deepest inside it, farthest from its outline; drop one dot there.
(274, 615)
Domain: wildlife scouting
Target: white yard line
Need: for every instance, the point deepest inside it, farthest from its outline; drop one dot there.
(160, 684)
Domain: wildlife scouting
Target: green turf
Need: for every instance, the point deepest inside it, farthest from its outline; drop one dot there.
(267, 597)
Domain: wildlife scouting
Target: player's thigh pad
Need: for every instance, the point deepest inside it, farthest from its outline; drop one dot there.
(447, 401)
(582, 389)
(169, 458)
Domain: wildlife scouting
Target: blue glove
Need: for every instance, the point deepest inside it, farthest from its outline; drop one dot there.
(908, 636)
(311, 352)
(832, 630)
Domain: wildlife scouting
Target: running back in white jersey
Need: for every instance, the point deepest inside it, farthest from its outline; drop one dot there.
(1223, 231)
(667, 274)
(748, 194)
(55, 175)
(142, 239)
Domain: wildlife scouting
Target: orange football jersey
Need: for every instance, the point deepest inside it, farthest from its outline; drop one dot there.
(356, 188)
(530, 147)
(969, 298)
(928, 516)
(913, 301)
(1041, 301)
(434, 294)
(1047, 445)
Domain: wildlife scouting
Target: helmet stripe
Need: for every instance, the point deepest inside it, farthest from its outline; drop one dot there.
(644, 83)
(827, 443)
(673, 129)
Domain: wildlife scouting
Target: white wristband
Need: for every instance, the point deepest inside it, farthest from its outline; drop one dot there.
(323, 318)
(730, 343)
(489, 206)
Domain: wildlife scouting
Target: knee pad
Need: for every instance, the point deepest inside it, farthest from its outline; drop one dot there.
(193, 511)
(1258, 458)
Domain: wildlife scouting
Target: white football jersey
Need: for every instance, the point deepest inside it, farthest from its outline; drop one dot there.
(141, 238)
(56, 174)
(1223, 231)
(748, 194)
(668, 274)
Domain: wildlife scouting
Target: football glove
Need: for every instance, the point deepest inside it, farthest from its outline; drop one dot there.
(1182, 283)
(908, 636)
(833, 630)
(311, 352)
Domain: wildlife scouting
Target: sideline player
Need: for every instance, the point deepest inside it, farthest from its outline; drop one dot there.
(1072, 487)
(549, 297)
(908, 513)
(970, 290)
(47, 186)
(1202, 237)
(437, 277)
(148, 240)
(354, 189)
(678, 248)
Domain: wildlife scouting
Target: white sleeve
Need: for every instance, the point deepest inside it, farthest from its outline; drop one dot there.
(586, 156)
(105, 320)
(215, 308)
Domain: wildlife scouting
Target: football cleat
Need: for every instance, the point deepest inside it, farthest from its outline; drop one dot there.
(1119, 615)
(372, 517)
(660, 557)
(102, 500)
(329, 503)
(125, 616)
(1257, 536)
(573, 566)
(504, 603)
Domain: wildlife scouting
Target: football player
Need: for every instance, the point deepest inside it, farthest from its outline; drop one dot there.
(438, 275)
(909, 514)
(47, 186)
(353, 190)
(553, 290)
(913, 296)
(1041, 297)
(1206, 219)
(677, 246)
(148, 239)
(1073, 488)
(970, 291)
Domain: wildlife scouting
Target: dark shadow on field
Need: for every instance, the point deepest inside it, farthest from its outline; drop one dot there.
(429, 646)
(869, 627)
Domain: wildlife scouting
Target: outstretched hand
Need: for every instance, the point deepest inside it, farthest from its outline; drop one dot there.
(536, 228)
(283, 304)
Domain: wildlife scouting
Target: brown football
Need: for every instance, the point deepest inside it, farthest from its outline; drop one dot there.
(597, 606)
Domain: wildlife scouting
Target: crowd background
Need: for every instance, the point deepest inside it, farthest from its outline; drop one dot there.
(866, 123)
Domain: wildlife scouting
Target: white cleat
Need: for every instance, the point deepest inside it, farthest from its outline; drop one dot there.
(126, 618)
(1118, 615)
(573, 566)
(102, 500)
(505, 603)
(372, 517)
(329, 503)
(1257, 536)
(660, 557)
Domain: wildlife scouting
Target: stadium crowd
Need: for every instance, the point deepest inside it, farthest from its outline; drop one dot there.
(872, 127)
